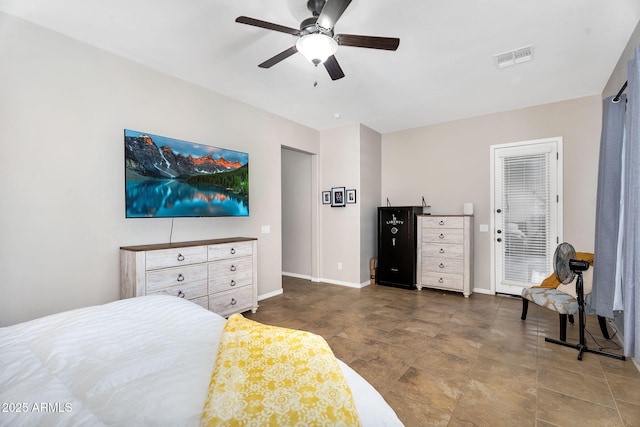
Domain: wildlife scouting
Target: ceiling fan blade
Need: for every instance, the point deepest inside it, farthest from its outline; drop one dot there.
(267, 25)
(333, 68)
(331, 12)
(370, 42)
(279, 57)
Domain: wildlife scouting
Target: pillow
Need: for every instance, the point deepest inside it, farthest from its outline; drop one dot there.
(587, 282)
(552, 282)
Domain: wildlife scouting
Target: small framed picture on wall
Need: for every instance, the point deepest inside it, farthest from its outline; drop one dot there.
(337, 197)
(351, 196)
(326, 197)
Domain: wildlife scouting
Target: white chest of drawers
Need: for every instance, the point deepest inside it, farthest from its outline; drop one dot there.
(445, 253)
(220, 275)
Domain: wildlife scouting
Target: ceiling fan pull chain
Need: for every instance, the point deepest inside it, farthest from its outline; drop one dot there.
(315, 80)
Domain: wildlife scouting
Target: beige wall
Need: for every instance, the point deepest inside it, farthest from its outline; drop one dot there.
(350, 158)
(368, 197)
(64, 106)
(448, 164)
(619, 74)
(340, 236)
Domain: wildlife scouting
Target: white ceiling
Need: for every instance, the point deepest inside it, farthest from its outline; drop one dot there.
(442, 71)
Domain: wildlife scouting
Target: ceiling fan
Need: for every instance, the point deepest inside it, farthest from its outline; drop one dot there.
(317, 41)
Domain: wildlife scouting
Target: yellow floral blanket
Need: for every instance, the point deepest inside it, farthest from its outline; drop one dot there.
(271, 376)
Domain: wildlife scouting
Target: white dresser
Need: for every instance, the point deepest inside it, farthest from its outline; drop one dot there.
(445, 252)
(220, 275)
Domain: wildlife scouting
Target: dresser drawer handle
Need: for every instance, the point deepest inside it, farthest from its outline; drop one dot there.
(441, 236)
(441, 280)
(180, 294)
(441, 251)
(180, 257)
(441, 223)
(180, 277)
(233, 283)
(233, 268)
(233, 301)
(233, 251)
(441, 265)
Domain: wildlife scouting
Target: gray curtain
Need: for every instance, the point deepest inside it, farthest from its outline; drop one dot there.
(608, 206)
(630, 226)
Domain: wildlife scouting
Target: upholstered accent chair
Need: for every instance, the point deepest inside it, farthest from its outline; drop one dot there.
(561, 298)
(562, 303)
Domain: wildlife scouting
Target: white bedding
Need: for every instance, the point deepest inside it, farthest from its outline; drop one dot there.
(143, 361)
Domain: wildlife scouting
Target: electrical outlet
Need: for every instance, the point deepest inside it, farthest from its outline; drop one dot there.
(339, 266)
(266, 229)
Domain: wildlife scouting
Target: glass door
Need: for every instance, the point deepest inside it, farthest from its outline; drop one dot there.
(526, 212)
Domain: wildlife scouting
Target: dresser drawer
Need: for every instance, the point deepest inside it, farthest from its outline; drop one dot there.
(176, 276)
(202, 301)
(449, 235)
(233, 301)
(442, 265)
(219, 283)
(230, 250)
(444, 250)
(442, 222)
(175, 256)
(443, 281)
(230, 272)
(190, 290)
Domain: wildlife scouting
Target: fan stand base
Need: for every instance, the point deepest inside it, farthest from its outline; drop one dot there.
(582, 346)
(584, 349)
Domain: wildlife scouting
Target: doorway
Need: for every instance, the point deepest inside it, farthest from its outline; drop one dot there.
(297, 213)
(526, 206)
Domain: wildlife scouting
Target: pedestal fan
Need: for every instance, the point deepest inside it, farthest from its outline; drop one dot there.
(566, 267)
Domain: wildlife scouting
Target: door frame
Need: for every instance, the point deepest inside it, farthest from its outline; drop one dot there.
(313, 229)
(560, 210)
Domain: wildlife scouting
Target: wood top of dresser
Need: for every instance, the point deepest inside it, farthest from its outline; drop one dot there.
(158, 246)
(437, 215)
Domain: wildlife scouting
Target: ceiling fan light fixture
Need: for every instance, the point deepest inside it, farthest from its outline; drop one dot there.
(316, 47)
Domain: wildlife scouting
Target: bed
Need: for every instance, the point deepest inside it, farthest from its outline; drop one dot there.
(144, 361)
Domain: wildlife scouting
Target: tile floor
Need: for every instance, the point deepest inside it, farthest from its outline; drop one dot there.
(442, 360)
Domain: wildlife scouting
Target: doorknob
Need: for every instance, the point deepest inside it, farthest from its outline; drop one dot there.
(499, 231)
(499, 239)
(499, 210)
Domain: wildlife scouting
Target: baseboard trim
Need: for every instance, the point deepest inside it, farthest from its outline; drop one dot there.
(297, 276)
(619, 338)
(330, 281)
(347, 284)
(270, 294)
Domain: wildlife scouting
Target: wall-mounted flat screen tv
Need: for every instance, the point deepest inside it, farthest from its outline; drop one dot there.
(167, 178)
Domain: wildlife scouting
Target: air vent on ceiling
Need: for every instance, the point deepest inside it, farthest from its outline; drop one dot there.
(513, 57)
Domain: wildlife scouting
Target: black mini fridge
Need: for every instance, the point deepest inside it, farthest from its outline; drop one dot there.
(397, 246)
